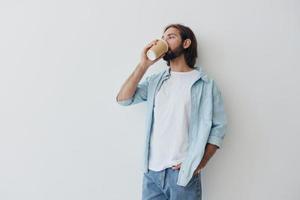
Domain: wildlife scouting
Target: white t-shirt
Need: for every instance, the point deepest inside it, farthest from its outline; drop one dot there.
(169, 138)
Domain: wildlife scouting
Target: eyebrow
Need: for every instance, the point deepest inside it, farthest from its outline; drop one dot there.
(168, 35)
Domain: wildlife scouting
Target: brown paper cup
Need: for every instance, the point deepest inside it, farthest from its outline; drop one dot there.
(157, 50)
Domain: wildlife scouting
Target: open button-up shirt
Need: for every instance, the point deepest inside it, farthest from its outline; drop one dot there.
(208, 120)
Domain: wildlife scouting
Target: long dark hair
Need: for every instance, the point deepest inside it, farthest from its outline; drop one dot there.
(190, 54)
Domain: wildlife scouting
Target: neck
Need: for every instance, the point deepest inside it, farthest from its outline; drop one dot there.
(179, 65)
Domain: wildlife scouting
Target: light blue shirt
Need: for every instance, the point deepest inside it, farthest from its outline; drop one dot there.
(208, 120)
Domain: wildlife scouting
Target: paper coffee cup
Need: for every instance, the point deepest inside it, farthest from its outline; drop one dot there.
(157, 50)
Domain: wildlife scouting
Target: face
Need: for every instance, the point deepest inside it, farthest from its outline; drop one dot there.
(172, 37)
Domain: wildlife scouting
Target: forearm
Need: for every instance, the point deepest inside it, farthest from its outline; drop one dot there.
(128, 88)
(210, 150)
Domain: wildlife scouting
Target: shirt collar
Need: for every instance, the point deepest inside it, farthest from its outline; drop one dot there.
(202, 74)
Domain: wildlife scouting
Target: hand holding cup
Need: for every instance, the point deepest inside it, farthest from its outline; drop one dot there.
(153, 52)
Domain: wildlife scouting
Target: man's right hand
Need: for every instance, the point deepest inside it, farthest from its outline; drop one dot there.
(145, 61)
(129, 87)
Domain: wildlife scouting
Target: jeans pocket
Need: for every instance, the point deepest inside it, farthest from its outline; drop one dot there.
(192, 180)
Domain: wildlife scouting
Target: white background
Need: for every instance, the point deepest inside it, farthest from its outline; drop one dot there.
(63, 136)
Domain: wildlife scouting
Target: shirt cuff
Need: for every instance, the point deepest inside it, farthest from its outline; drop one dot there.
(125, 102)
(215, 140)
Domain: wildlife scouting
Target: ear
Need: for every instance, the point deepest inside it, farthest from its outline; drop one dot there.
(187, 43)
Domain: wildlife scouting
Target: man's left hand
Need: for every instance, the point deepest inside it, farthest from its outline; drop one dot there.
(200, 167)
(210, 150)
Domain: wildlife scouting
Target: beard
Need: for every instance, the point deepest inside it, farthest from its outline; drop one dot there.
(170, 55)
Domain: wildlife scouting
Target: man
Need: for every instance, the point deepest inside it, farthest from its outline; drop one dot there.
(185, 118)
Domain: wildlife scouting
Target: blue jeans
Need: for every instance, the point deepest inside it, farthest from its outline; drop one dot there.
(161, 185)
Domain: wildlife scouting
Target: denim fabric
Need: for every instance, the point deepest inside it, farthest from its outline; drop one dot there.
(208, 120)
(161, 185)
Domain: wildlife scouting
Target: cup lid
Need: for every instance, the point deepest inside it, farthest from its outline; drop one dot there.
(151, 55)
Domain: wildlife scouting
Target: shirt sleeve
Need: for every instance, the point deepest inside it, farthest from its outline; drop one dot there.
(140, 95)
(219, 118)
